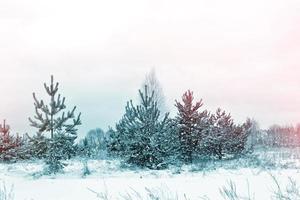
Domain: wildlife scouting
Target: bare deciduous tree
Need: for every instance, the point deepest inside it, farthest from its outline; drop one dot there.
(154, 85)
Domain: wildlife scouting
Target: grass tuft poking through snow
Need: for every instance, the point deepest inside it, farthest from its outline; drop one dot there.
(6, 193)
(290, 192)
(229, 192)
(148, 194)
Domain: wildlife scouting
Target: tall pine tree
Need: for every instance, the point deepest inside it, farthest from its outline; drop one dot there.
(53, 119)
(188, 121)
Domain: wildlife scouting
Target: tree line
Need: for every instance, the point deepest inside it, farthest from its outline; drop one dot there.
(145, 136)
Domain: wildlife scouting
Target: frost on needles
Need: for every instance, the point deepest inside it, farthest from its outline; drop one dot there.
(48, 118)
(61, 125)
(141, 137)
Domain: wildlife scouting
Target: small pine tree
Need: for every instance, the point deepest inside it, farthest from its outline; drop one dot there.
(240, 139)
(140, 136)
(4, 131)
(219, 137)
(188, 118)
(9, 145)
(47, 119)
(224, 138)
(52, 118)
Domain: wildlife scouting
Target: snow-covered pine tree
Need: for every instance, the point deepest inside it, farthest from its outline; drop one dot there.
(218, 139)
(9, 144)
(53, 119)
(4, 130)
(204, 128)
(254, 135)
(225, 137)
(48, 118)
(188, 120)
(141, 137)
(168, 142)
(239, 139)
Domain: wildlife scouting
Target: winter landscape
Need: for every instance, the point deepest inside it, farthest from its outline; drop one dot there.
(149, 100)
(147, 155)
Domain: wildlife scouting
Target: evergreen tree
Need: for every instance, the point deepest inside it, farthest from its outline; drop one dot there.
(10, 146)
(238, 145)
(140, 137)
(189, 120)
(168, 142)
(115, 146)
(48, 118)
(53, 119)
(220, 133)
(224, 138)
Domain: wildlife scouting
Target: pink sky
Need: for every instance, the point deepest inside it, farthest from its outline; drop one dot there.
(240, 55)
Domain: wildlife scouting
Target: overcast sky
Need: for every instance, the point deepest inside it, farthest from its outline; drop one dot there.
(242, 56)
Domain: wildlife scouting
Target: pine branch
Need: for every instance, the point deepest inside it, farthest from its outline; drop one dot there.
(70, 128)
(37, 104)
(45, 109)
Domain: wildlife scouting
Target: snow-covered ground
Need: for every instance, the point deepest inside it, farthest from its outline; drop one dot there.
(109, 180)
